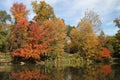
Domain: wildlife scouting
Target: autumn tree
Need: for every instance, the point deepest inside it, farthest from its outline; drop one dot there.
(43, 11)
(85, 39)
(19, 11)
(18, 32)
(106, 43)
(94, 19)
(45, 14)
(38, 41)
(102, 39)
(58, 32)
(18, 35)
(75, 37)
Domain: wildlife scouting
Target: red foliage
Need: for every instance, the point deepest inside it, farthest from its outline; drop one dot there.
(106, 53)
(106, 69)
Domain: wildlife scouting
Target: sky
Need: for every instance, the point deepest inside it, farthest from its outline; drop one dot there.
(72, 11)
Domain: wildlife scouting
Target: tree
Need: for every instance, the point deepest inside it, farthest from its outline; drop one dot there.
(106, 43)
(94, 19)
(45, 14)
(3, 41)
(43, 11)
(102, 38)
(85, 39)
(75, 36)
(69, 28)
(4, 16)
(19, 34)
(19, 11)
(58, 33)
(117, 22)
(117, 36)
(4, 30)
(110, 44)
(38, 42)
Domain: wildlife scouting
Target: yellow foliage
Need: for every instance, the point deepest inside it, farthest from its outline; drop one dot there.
(84, 38)
(58, 32)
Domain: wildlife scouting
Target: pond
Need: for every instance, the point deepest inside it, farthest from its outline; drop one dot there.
(49, 72)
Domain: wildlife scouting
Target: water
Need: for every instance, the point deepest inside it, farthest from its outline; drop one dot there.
(43, 72)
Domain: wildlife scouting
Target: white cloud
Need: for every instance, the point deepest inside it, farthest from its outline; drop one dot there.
(73, 10)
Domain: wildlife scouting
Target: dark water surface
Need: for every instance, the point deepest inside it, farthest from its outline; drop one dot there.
(38, 72)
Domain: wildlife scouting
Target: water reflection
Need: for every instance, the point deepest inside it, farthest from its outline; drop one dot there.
(32, 72)
(28, 75)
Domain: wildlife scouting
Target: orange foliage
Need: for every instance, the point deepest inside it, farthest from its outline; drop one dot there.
(18, 34)
(28, 75)
(37, 43)
(57, 32)
(19, 11)
(23, 22)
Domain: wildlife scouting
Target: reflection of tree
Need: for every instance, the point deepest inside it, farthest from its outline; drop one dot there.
(91, 73)
(28, 75)
(97, 72)
(88, 72)
(101, 72)
(106, 69)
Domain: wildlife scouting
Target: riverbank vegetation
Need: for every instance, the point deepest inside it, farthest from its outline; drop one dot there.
(47, 38)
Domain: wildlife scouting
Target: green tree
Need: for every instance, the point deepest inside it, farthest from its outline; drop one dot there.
(69, 28)
(117, 36)
(117, 22)
(4, 16)
(110, 44)
(4, 27)
(3, 41)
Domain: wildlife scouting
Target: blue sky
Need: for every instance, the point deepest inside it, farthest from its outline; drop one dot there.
(73, 10)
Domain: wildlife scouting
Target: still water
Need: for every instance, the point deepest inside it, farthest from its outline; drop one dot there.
(38, 72)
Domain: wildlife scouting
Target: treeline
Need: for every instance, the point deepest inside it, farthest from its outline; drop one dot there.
(48, 37)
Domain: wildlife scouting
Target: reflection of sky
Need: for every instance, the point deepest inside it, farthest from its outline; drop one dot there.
(69, 77)
(72, 10)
